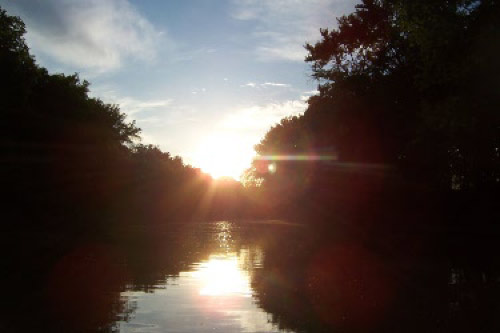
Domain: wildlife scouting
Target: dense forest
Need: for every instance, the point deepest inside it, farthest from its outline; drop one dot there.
(407, 110)
(69, 159)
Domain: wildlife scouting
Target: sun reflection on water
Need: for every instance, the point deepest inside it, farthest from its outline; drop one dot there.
(222, 275)
(214, 294)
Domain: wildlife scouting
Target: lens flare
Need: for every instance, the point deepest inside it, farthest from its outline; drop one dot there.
(310, 157)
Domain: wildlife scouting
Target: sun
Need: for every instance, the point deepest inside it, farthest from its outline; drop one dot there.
(224, 155)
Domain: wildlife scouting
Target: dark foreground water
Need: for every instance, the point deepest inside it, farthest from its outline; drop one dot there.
(260, 276)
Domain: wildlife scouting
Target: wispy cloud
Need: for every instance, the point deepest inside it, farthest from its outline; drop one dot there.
(273, 84)
(132, 106)
(306, 94)
(259, 118)
(199, 90)
(89, 34)
(283, 26)
(265, 84)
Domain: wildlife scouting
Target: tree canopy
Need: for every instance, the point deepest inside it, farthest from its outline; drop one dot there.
(406, 84)
(69, 156)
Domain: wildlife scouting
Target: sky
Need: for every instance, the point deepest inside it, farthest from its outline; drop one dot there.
(203, 79)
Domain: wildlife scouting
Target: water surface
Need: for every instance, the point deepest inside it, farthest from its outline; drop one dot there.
(259, 276)
(212, 293)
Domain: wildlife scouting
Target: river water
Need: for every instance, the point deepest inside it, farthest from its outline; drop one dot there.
(214, 292)
(258, 276)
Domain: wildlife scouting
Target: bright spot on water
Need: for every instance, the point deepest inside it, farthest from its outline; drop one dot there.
(222, 275)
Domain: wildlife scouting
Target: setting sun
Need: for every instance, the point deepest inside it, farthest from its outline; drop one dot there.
(224, 155)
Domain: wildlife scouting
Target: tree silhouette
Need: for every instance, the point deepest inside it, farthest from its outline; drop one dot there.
(396, 92)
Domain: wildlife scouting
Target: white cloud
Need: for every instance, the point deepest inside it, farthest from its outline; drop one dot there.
(132, 106)
(273, 84)
(284, 26)
(156, 113)
(259, 118)
(265, 84)
(227, 149)
(249, 84)
(306, 94)
(195, 91)
(129, 105)
(89, 34)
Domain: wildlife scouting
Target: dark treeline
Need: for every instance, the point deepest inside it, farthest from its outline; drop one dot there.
(407, 116)
(74, 173)
(75, 161)
(396, 165)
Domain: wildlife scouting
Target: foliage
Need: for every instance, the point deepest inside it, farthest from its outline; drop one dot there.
(70, 157)
(408, 84)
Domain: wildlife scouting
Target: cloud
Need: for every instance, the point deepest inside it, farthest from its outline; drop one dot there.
(284, 26)
(249, 84)
(195, 91)
(233, 138)
(89, 34)
(156, 113)
(306, 94)
(273, 84)
(266, 84)
(132, 106)
(259, 118)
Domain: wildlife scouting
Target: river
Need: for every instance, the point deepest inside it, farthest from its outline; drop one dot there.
(260, 276)
(213, 289)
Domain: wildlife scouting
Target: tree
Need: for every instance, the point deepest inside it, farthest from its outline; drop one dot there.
(61, 149)
(407, 84)
(457, 135)
(18, 70)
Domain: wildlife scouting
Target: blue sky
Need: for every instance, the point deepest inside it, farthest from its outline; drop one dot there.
(204, 79)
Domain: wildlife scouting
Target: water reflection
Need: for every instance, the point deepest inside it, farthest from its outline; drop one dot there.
(213, 294)
(261, 277)
(222, 275)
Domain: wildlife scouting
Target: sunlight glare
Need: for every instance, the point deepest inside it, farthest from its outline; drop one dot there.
(224, 155)
(222, 276)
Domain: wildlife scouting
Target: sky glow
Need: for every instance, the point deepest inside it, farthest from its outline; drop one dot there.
(204, 80)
